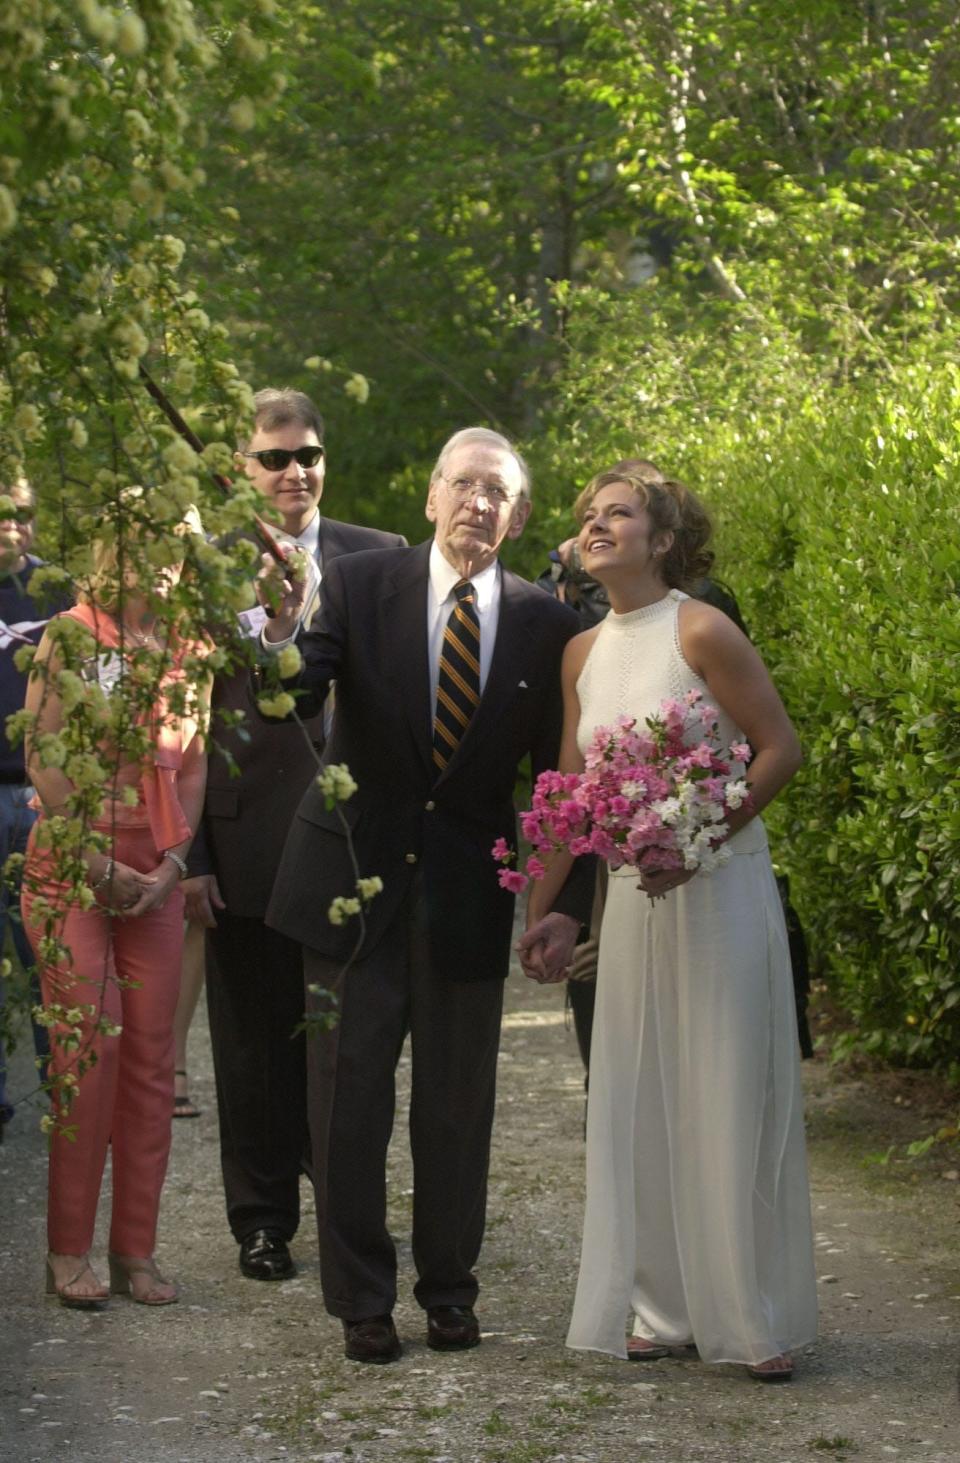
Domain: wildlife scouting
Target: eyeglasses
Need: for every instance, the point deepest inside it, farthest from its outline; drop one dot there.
(275, 459)
(495, 493)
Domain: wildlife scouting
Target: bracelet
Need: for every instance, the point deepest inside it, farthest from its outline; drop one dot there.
(176, 859)
(105, 877)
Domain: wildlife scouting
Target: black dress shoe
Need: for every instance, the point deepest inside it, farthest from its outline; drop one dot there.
(264, 1256)
(374, 1339)
(452, 1328)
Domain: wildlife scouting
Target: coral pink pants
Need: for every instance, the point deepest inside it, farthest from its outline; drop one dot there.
(129, 971)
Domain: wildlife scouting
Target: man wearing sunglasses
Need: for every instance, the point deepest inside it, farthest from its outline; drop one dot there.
(254, 974)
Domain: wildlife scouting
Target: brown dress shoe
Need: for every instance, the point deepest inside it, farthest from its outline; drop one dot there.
(374, 1339)
(452, 1328)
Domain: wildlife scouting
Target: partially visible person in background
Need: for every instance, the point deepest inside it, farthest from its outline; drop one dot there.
(192, 972)
(21, 623)
(123, 942)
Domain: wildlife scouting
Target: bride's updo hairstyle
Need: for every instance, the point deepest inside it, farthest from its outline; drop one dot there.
(672, 507)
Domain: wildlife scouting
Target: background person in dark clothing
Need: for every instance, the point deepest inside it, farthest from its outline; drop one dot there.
(22, 622)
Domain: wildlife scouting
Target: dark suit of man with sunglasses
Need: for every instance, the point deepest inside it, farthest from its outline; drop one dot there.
(255, 975)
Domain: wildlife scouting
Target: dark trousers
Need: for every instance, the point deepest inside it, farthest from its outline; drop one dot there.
(454, 1030)
(255, 1002)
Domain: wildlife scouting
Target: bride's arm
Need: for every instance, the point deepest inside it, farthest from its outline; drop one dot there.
(739, 682)
(546, 948)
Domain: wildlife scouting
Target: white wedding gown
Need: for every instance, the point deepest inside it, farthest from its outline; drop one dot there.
(697, 1225)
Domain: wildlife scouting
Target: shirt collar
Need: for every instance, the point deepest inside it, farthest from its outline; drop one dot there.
(309, 539)
(443, 576)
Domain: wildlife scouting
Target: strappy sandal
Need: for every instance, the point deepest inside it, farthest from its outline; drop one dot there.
(776, 1369)
(92, 1301)
(640, 1349)
(183, 1106)
(123, 1271)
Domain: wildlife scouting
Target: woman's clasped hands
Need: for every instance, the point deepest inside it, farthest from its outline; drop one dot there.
(127, 892)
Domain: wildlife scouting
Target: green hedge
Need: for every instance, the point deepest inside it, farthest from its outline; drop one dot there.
(843, 541)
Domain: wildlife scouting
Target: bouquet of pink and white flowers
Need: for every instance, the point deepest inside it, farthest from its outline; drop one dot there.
(656, 798)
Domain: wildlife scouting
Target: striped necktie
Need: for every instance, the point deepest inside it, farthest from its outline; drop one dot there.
(458, 685)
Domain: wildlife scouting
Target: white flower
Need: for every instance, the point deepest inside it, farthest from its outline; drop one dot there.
(367, 888)
(358, 387)
(179, 455)
(242, 114)
(336, 782)
(341, 908)
(8, 210)
(28, 421)
(130, 338)
(131, 34)
(171, 250)
(280, 705)
(289, 662)
(736, 793)
(669, 810)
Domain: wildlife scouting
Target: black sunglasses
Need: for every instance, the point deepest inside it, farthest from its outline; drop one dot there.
(275, 459)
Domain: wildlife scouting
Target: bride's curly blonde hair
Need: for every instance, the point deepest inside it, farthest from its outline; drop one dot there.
(673, 508)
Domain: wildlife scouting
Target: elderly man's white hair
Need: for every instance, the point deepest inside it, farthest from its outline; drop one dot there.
(487, 438)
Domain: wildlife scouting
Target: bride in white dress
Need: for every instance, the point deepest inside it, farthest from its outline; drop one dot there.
(697, 1226)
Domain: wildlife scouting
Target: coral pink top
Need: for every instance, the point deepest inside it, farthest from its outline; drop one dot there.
(158, 804)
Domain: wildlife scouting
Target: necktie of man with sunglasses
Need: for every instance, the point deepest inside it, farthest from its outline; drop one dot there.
(254, 974)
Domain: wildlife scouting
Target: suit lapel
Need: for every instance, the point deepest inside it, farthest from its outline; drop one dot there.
(404, 620)
(334, 540)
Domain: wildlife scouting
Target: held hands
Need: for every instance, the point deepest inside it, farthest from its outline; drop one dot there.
(546, 949)
(283, 595)
(202, 893)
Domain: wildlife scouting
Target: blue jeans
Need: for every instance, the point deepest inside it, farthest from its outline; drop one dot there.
(16, 820)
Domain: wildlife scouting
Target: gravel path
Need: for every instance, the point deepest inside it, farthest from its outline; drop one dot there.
(240, 1370)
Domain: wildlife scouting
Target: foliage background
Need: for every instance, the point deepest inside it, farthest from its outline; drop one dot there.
(686, 229)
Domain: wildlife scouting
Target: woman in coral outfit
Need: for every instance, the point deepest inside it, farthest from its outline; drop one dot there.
(111, 984)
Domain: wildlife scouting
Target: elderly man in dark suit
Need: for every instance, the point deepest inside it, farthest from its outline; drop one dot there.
(447, 671)
(254, 974)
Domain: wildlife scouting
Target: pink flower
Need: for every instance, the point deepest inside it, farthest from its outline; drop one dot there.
(700, 756)
(675, 761)
(740, 752)
(501, 852)
(513, 880)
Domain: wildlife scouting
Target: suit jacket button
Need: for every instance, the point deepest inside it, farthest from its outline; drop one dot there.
(429, 807)
(411, 858)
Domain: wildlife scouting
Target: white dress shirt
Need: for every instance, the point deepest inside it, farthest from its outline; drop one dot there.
(441, 600)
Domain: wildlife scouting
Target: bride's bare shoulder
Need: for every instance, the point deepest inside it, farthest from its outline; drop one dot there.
(577, 650)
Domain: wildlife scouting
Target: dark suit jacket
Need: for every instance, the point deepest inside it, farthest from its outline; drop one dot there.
(370, 634)
(246, 817)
